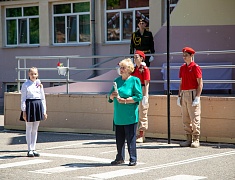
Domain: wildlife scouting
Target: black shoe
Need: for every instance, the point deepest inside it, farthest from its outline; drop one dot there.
(30, 154)
(115, 162)
(36, 154)
(132, 163)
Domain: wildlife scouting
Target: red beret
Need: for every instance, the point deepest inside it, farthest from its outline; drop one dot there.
(141, 53)
(188, 50)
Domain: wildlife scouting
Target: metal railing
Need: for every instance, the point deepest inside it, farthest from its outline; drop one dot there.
(67, 80)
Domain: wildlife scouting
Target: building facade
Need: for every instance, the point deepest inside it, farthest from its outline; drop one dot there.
(104, 27)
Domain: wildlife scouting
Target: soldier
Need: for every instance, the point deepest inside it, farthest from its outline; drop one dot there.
(189, 98)
(142, 40)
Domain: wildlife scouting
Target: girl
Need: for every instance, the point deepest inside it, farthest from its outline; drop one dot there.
(33, 107)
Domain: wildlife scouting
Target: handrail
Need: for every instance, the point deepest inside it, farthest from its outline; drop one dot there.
(112, 57)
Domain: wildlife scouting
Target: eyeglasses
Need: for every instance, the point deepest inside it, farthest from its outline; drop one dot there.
(141, 23)
(122, 67)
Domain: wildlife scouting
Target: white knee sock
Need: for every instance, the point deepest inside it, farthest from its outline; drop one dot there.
(31, 134)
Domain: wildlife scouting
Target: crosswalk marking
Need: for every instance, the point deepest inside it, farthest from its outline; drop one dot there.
(125, 172)
(86, 158)
(184, 177)
(23, 163)
(112, 174)
(71, 167)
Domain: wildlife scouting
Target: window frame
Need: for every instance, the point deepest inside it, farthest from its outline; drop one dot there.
(18, 19)
(121, 12)
(66, 16)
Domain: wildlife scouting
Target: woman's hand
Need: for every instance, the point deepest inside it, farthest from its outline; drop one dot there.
(24, 115)
(113, 95)
(121, 100)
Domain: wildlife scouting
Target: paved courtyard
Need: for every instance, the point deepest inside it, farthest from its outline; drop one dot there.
(88, 156)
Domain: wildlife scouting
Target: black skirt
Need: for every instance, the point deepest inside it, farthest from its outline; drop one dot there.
(34, 110)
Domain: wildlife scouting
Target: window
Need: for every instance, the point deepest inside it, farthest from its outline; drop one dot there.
(173, 4)
(71, 23)
(122, 17)
(11, 87)
(22, 26)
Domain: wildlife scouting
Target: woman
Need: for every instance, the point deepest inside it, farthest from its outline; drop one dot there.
(142, 72)
(33, 107)
(126, 100)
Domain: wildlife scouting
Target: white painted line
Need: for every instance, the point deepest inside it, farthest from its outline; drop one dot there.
(23, 163)
(125, 172)
(106, 152)
(61, 169)
(112, 174)
(84, 158)
(184, 177)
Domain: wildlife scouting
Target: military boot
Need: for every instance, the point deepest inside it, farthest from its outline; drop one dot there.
(195, 143)
(188, 142)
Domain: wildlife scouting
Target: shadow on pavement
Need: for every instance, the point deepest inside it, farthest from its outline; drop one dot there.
(44, 137)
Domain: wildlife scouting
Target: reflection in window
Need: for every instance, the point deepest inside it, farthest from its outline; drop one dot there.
(59, 25)
(116, 4)
(122, 17)
(136, 3)
(127, 25)
(72, 22)
(84, 28)
(22, 31)
(72, 28)
(22, 25)
(31, 11)
(13, 12)
(34, 30)
(113, 32)
(11, 32)
(62, 8)
(81, 7)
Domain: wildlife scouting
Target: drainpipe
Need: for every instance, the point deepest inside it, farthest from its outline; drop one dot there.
(93, 39)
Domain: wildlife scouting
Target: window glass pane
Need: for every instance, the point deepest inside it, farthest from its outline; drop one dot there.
(13, 12)
(11, 32)
(113, 31)
(11, 88)
(62, 8)
(59, 29)
(34, 31)
(138, 3)
(127, 25)
(84, 28)
(143, 14)
(22, 23)
(72, 28)
(116, 4)
(81, 7)
(31, 11)
(174, 1)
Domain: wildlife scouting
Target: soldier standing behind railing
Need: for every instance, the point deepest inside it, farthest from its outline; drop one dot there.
(142, 40)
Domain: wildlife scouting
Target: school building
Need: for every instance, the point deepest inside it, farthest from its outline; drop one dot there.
(104, 27)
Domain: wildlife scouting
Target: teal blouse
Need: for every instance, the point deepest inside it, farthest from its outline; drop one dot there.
(125, 114)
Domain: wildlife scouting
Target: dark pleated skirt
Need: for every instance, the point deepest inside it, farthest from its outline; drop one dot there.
(33, 110)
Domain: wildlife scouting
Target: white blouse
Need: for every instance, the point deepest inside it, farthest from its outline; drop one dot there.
(32, 90)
